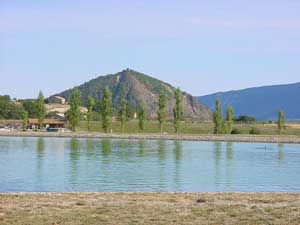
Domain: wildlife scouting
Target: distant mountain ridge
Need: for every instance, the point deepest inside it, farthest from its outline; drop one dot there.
(135, 87)
(263, 103)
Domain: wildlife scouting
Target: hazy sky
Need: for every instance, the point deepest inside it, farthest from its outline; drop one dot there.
(201, 46)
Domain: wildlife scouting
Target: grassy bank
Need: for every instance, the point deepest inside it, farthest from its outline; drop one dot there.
(192, 128)
(156, 208)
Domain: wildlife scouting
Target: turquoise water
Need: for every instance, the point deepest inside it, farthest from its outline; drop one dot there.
(92, 165)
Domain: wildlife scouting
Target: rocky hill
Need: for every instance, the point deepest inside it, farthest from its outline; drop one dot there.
(135, 87)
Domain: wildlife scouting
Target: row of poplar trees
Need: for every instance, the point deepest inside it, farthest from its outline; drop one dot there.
(226, 127)
(74, 114)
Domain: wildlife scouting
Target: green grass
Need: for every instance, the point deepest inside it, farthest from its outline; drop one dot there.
(191, 128)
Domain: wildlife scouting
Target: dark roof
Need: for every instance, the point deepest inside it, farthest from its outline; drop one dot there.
(47, 121)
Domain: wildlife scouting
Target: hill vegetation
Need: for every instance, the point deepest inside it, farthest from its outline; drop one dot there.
(137, 87)
(262, 103)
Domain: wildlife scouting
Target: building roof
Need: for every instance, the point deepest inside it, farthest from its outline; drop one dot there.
(46, 121)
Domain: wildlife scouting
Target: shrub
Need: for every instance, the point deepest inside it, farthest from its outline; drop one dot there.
(235, 131)
(254, 130)
(245, 119)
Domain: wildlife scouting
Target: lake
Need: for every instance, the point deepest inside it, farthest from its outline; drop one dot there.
(103, 165)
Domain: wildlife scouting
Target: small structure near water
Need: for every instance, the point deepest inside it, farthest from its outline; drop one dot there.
(49, 123)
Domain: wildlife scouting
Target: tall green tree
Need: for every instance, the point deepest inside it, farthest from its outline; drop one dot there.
(280, 122)
(4, 106)
(178, 110)
(142, 116)
(162, 113)
(91, 104)
(74, 112)
(31, 107)
(25, 120)
(229, 120)
(123, 113)
(106, 110)
(218, 118)
(41, 109)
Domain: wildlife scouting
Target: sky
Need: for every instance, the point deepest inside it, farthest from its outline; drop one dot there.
(201, 46)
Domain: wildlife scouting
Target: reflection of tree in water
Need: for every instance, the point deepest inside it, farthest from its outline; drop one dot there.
(178, 156)
(90, 147)
(40, 148)
(178, 150)
(280, 152)
(106, 147)
(217, 150)
(124, 146)
(229, 168)
(162, 149)
(142, 146)
(40, 153)
(74, 147)
(229, 151)
(74, 156)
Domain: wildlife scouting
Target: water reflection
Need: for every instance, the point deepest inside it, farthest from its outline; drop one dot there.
(178, 156)
(229, 165)
(106, 147)
(229, 151)
(142, 145)
(90, 148)
(217, 151)
(280, 152)
(74, 147)
(55, 164)
(40, 154)
(178, 150)
(162, 150)
(40, 148)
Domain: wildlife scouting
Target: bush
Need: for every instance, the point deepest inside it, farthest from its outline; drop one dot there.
(235, 131)
(245, 119)
(254, 130)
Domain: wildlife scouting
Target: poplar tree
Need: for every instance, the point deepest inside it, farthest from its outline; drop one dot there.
(41, 109)
(162, 114)
(123, 112)
(178, 110)
(91, 104)
(106, 110)
(74, 112)
(218, 118)
(142, 116)
(229, 120)
(25, 120)
(280, 122)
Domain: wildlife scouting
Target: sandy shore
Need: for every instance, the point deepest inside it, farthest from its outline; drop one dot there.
(229, 138)
(150, 208)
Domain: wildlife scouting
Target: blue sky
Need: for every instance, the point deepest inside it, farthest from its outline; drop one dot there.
(201, 46)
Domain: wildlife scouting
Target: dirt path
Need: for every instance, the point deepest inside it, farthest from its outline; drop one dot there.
(232, 138)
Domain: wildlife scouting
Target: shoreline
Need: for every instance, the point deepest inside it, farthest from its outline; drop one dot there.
(150, 208)
(182, 137)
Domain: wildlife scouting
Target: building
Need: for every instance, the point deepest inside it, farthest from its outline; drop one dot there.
(48, 123)
(57, 100)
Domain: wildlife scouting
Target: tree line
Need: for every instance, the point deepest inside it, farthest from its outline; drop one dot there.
(74, 115)
(226, 126)
(24, 109)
